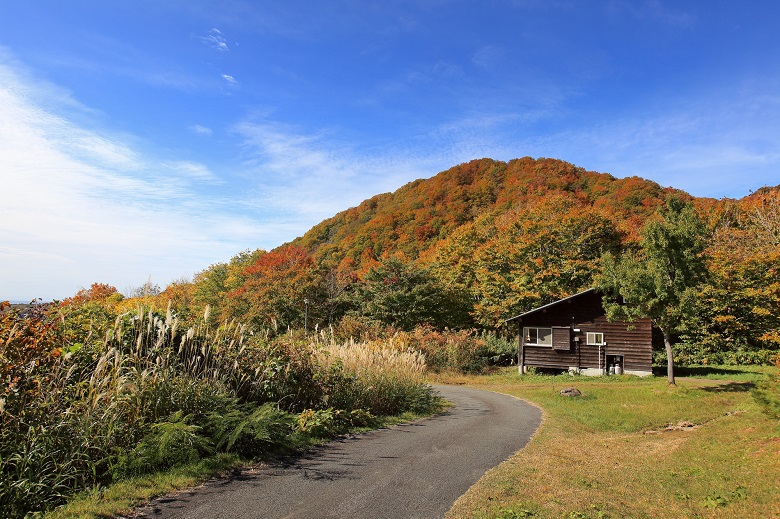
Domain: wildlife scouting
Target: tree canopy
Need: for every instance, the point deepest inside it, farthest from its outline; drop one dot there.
(659, 280)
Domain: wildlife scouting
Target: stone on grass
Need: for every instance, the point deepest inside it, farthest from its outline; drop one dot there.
(571, 391)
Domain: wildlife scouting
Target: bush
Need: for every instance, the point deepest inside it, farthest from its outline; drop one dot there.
(251, 430)
(695, 355)
(467, 351)
(357, 328)
(170, 444)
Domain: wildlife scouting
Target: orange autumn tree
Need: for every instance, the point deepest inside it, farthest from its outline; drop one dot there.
(529, 256)
(212, 286)
(274, 290)
(736, 317)
(96, 292)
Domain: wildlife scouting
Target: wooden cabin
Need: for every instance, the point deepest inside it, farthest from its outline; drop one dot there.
(574, 334)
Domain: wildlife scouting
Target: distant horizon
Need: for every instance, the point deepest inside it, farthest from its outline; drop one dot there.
(154, 139)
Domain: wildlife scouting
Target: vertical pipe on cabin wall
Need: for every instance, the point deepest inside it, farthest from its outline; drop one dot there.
(579, 356)
(600, 372)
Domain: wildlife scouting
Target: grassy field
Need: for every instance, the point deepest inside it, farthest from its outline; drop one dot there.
(633, 447)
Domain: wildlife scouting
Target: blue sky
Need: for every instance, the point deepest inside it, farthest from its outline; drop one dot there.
(147, 140)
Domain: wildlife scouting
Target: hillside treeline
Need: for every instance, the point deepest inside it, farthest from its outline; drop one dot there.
(487, 240)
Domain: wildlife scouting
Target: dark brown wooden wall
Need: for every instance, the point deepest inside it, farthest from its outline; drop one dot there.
(632, 340)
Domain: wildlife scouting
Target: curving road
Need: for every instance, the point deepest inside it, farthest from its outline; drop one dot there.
(413, 470)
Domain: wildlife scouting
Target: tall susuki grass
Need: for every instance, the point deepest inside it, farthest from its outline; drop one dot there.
(467, 351)
(88, 397)
(375, 377)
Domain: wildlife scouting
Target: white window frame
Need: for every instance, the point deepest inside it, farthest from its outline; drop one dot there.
(527, 336)
(590, 339)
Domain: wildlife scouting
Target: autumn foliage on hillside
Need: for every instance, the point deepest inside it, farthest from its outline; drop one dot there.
(506, 237)
(486, 240)
(418, 215)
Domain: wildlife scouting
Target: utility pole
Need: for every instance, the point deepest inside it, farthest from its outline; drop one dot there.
(306, 316)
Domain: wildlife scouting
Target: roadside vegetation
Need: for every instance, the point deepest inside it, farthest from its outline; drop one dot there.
(92, 397)
(108, 406)
(630, 447)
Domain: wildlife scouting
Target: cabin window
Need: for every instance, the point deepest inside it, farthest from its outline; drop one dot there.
(595, 339)
(537, 336)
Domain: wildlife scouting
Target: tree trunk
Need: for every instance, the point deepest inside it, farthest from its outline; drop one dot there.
(669, 359)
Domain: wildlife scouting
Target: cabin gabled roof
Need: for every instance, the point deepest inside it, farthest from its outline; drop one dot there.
(554, 303)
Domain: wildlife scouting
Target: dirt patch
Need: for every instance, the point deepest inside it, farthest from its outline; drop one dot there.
(690, 426)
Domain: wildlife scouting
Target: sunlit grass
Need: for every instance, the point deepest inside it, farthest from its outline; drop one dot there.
(634, 447)
(120, 498)
(377, 376)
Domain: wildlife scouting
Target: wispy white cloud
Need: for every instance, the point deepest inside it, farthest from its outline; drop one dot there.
(410, 79)
(118, 58)
(694, 145)
(719, 145)
(201, 130)
(308, 177)
(216, 40)
(488, 56)
(81, 205)
(230, 79)
(164, 78)
(652, 10)
(193, 171)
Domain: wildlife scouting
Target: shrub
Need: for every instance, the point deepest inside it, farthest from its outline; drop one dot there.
(358, 328)
(694, 355)
(467, 351)
(169, 444)
(251, 430)
(326, 423)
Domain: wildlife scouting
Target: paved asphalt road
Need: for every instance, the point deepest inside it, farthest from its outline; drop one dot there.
(406, 471)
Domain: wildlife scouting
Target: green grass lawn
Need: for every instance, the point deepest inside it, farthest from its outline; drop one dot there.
(632, 447)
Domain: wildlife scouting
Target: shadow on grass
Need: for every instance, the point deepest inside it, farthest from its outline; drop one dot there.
(703, 371)
(730, 387)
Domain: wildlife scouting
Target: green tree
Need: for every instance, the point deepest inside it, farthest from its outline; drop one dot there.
(405, 295)
(658, 280)
(213, 285)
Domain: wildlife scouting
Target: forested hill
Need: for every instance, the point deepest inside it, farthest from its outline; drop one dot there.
(420, 214)
(486, 240)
